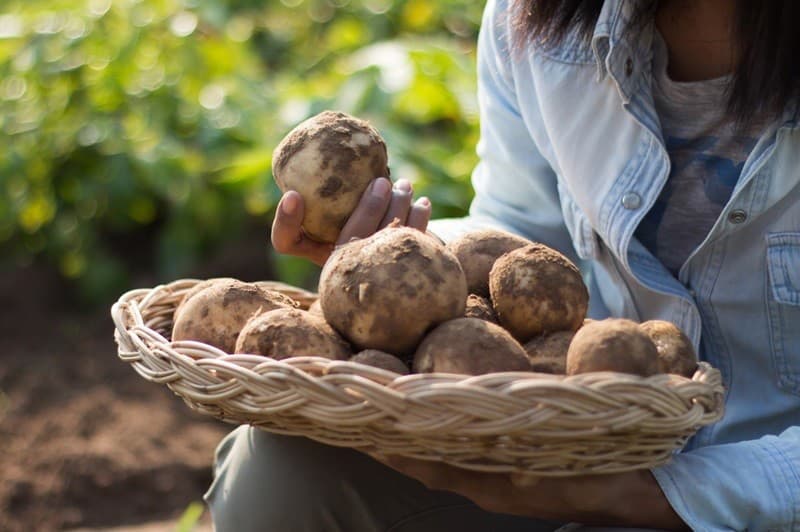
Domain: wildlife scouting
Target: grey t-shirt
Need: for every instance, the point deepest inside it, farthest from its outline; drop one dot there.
(706, 154)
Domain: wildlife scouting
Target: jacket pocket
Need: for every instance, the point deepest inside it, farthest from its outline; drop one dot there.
(783, 302)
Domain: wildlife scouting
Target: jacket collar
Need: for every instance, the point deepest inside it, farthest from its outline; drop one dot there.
(621, 50)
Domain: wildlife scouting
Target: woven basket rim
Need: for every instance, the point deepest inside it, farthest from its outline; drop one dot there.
(295, 395)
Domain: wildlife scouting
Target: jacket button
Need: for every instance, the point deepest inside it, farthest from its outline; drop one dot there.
(737, 216)
(631, 201)
(628, 67)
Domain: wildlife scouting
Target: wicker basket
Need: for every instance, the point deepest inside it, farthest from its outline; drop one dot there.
(505, 422)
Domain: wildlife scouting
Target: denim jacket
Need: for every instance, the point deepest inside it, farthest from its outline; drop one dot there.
(572, 155)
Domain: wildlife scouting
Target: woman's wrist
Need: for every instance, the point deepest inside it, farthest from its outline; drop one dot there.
(629, 499)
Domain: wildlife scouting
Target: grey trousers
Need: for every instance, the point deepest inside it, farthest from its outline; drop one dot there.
(267, 482)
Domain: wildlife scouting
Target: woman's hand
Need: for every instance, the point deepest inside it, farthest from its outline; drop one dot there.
(380, 204)
(622, 499)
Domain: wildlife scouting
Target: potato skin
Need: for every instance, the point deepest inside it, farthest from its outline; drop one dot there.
(535, 290)
(216, 314)
(379, 359)
(290, 332)
(547, 353)
(675, 350)
(612, 345)
(196, 289)
(330, 159)
(385, 291)
(316, 309)
(477, 252)
(469, 346)
(480, 307)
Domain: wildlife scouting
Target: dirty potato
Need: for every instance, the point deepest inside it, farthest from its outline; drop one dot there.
(477, 252)
(380, 359)
(480, 307)
(216, 314)
(469, 346)
(612, 345)
(535, 290)
(290, 332)
(386, 291)
(547, 353)
(675, 350)
(329, 160)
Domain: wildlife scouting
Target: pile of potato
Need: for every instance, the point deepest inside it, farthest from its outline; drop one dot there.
(401, 300)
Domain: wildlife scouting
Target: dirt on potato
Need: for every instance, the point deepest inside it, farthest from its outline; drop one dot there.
(547, 353)
(612, 345)
(386, 291)
(379, 359)
(469, 346)
(216, 314)
(675, 351)
(329, 159)
(289, 332)
(535, 290)
(477, 252)
(480, 307)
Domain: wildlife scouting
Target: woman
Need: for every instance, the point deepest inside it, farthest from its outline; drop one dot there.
(657, 144)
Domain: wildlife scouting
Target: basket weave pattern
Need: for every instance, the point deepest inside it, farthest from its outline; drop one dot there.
(505, 422)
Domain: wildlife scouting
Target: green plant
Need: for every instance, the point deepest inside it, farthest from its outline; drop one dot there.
(144, 128)
(190, 517)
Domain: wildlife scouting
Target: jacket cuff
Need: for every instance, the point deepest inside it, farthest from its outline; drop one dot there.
(751, 485)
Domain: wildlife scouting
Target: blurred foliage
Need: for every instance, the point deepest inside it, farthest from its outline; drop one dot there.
(154, 120)
(190, 517)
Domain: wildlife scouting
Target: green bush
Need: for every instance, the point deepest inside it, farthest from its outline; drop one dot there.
(154, 120)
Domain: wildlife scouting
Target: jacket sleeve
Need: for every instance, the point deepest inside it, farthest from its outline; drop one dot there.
(515, 187)
(748, 485)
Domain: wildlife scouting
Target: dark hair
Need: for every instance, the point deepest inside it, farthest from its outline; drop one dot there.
(766, 73)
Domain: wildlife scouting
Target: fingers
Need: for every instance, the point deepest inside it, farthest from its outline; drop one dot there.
(287, 233)
(419, 214)
(524, 480)
(399, 205)
(369, 212)
(379, 205)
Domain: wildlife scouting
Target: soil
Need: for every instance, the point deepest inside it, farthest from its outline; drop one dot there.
(86, 442)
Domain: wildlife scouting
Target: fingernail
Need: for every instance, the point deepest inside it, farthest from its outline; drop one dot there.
(423, 202)
(403, 185)
(289, 205)
(381, 187)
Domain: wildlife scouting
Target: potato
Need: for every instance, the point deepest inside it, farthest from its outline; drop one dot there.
(316, 309)
(290, 332)
(385, 291)
(469, 346)
(329, 159)
(553, 366)
(547, 353)
(477, 252)
(300, 296)
(379, 359)
(480, 307)
(216, 314)
(675, 350)
(612, 345)
(536, 290)
(202, 285)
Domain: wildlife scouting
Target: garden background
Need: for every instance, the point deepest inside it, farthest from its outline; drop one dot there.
(135, 148)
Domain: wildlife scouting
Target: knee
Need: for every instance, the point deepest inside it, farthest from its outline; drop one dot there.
(266, 481)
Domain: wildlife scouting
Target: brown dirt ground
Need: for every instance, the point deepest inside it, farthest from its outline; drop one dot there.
(84, 441)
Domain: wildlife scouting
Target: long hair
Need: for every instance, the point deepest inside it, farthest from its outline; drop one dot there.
(766, 35)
